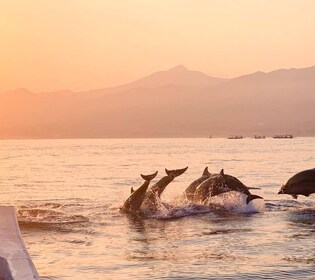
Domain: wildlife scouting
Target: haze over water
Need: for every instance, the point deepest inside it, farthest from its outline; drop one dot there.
(68, 192)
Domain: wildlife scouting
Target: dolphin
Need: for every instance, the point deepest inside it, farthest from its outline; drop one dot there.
(157, 189)
(302, 183)
(221, 183)
(135, 200)
(190, 191)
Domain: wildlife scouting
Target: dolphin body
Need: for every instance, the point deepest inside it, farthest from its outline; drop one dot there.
(135, 200)
(221, 183)
(302, 183)
(154, 193)
(190, 191)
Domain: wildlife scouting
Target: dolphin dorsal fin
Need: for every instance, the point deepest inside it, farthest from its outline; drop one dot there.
(222, 172)
(206, 172)
(132, 190)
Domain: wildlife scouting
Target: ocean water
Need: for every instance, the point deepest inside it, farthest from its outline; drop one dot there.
(68, 192)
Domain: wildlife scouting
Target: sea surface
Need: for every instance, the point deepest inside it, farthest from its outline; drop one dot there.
(68, 192)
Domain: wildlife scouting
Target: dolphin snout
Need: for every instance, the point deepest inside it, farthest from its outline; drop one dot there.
(281, 190)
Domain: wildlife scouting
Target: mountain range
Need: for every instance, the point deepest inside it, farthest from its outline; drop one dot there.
(173, 103)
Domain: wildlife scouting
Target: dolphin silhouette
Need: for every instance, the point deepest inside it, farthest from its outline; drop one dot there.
(190, 190)
(221, 183)
(135, 200)
(302, 183)
(157, 189)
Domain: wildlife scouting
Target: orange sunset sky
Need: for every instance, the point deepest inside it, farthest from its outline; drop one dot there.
(85, 44)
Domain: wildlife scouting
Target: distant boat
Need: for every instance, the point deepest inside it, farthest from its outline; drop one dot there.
(259, 137)
(235, 137)
(283, 136)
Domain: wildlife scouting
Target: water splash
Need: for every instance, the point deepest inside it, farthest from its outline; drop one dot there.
(45, 214)
(236, 202)
(179, 207)
(175, 212)
(47, 217)
(174, 209)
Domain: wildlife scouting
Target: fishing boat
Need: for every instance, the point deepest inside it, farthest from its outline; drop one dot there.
(235, 137)
(283, 136)
(15, 261)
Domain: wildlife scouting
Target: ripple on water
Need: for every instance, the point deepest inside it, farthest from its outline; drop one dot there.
(280, 274)
(227, 231)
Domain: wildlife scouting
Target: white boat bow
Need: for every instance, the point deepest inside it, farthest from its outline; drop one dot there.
(15, 261)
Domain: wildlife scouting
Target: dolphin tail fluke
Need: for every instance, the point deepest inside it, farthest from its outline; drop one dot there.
(206, 172)
(252, 197)
(149, 177)
(175, 172)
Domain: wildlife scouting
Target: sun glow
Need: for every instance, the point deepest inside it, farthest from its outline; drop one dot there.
(78, 45)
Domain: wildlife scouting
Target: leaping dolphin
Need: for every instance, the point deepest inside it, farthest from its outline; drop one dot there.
(302, 183)
(190, 191)
(135, 200)
(157, 189)
(221, 183)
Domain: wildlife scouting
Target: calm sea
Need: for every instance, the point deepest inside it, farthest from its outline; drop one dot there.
(67, 194)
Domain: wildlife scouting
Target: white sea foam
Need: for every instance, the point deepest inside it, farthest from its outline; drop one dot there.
(231, 201)
(236, 202)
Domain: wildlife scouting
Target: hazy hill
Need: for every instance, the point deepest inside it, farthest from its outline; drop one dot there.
(178, 75)
(173, 103)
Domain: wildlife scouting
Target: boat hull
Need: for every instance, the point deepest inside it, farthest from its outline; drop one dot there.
(15, 261)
